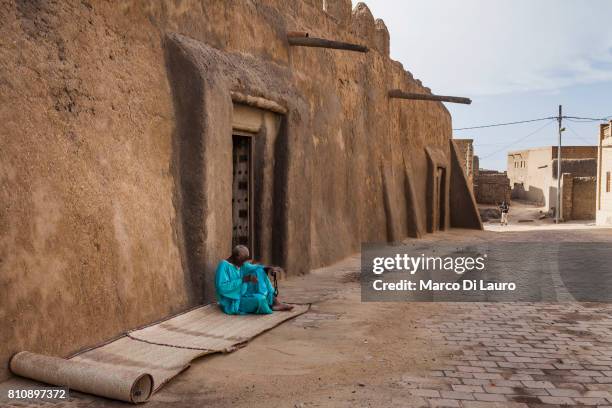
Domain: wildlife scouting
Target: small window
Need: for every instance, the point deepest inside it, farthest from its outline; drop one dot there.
(607, 182)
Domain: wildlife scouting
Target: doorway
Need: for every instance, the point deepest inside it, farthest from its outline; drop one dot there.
(440, 199)
(242, 192)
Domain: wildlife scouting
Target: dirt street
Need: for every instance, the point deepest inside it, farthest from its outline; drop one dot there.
(524, 216)
(345, 353)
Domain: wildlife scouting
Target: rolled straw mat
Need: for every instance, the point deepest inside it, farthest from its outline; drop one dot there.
(138, 364)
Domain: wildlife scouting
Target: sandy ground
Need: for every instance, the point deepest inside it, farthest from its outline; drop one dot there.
(342, 353)
(524, 216)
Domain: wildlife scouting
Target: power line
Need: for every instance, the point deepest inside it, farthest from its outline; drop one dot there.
(578, 136)
(518, 140)
(586, 119)
(504, 124)
(577, 119)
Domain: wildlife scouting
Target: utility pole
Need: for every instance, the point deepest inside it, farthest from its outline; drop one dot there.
(558, 209)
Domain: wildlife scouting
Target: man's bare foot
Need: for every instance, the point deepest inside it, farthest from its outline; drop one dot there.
(281, 307)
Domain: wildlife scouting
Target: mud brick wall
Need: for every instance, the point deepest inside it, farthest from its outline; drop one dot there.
(466, 155)
(578, 199)
(577, 167)
(116, 164)
(492, 188)
(567, 195)
(583, 199)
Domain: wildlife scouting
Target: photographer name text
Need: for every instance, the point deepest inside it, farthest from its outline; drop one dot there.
(465, 285)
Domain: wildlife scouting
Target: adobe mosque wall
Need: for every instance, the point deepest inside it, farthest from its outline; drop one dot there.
(117, 155)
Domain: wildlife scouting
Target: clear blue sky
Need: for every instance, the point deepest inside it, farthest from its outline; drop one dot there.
(516, 59)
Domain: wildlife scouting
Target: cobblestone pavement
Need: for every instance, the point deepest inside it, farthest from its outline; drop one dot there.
(520, 355)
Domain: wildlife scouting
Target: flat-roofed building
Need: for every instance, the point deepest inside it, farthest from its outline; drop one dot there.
(604, 174)
(533, 172)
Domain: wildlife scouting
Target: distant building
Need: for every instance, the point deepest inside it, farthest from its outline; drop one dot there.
(533, 174)
(604, 173)
(491, 187)
(466, 156)
(488, 186)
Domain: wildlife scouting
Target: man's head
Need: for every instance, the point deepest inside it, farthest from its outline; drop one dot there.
(240, 254)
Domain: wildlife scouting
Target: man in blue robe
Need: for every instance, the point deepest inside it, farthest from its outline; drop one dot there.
(243, 287)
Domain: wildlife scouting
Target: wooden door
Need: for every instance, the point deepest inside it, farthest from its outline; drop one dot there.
(242, 188)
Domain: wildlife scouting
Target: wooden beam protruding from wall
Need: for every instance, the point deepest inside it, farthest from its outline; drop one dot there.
(258, 102)
(399, 94)
(303, 39)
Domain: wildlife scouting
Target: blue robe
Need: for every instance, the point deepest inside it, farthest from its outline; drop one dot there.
(237, 297)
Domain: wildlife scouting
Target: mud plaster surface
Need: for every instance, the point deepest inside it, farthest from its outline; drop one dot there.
(92, 242)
